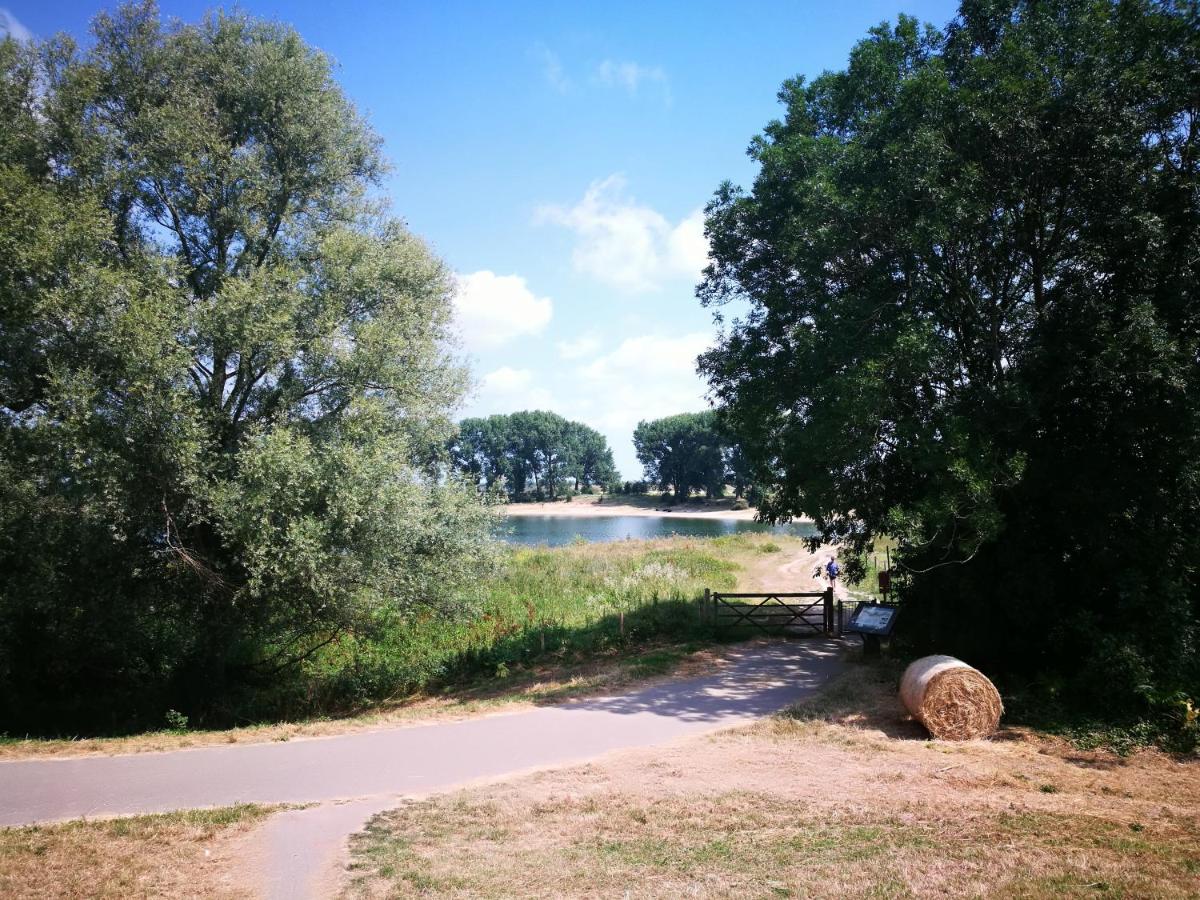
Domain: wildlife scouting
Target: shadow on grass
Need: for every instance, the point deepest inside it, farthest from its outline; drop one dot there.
(864, 697)
(756, 680)
(539, 646)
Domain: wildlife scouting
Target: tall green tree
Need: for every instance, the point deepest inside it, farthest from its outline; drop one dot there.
(683, 453)
(532, 451)
(591, 459)
(971, 264)
(224, 391)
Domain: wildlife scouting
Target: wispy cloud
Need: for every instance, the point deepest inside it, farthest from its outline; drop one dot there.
(492, 309)
(645, 377)
(632, 77)
(580, 347)
(11, 26)
(627, 244)
(552, 68)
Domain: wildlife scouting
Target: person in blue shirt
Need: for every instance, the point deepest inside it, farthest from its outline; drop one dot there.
(833, 570)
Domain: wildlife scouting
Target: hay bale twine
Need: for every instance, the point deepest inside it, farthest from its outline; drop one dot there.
(954, 701)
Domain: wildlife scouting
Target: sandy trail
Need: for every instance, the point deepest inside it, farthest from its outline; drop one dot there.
(795, 569)
(590, 507)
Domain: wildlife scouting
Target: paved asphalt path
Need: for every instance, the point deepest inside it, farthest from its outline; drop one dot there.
(376, 767)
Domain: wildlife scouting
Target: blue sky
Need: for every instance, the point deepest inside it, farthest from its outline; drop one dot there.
(557, 156)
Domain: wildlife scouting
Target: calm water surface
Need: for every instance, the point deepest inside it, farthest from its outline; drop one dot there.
(557, 530)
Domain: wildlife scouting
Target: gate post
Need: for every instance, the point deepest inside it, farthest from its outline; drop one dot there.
(704, 610)
(829, 610)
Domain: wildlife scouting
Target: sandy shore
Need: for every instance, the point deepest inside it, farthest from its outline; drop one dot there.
(589, 507)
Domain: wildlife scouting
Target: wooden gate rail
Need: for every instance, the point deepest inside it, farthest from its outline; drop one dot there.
(773, 610)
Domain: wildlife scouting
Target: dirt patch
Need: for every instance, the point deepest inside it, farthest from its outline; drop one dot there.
(176, 855)
(842, 797)
(792, 568)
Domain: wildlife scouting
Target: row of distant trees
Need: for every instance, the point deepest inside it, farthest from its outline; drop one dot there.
(692, 452)
(541, 455)
(533, 454)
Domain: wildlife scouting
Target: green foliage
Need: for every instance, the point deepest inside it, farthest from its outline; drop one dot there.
(573, 603)
(973, 326)
(539, 450)
(224, 393)
(1168, 720)
(176, 721)
(685, 452)
(632, 488)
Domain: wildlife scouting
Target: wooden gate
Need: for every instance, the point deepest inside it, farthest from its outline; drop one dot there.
(808, 613)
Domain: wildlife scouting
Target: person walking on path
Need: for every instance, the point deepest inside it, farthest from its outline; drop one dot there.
(833, 570)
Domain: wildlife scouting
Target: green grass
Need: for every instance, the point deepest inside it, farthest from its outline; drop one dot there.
(568, 614)
(657, 662)
(547, 605)
(141, 826)
(874, 562)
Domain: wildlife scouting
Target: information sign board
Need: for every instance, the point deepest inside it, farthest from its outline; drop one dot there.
(873, 618)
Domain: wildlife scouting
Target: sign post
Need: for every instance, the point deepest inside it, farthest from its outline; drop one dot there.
(873, 621)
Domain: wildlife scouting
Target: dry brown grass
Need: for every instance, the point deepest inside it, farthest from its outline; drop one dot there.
(844, 798)
(178, 855)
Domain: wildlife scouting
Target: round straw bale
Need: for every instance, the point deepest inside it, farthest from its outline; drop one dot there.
(951, 699)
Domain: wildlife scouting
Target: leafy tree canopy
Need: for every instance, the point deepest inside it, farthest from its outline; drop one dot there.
(971, 261)
(683, 453)
(533, 452)
(224, 391)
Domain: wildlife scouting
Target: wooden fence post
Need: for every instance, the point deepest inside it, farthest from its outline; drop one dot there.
(704, 611)
(829, 610)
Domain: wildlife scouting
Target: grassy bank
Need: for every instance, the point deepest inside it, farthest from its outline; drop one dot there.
(554, 623)
(566, 604)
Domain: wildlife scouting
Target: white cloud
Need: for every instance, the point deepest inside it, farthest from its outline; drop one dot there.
(552, 69)
(580, 347)
(11, 26)
(631, 76)
(493, 309)
(645, 377)
(628, 245)
(507, 389)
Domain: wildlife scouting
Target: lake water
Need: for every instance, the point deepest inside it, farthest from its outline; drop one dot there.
(557, 530)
